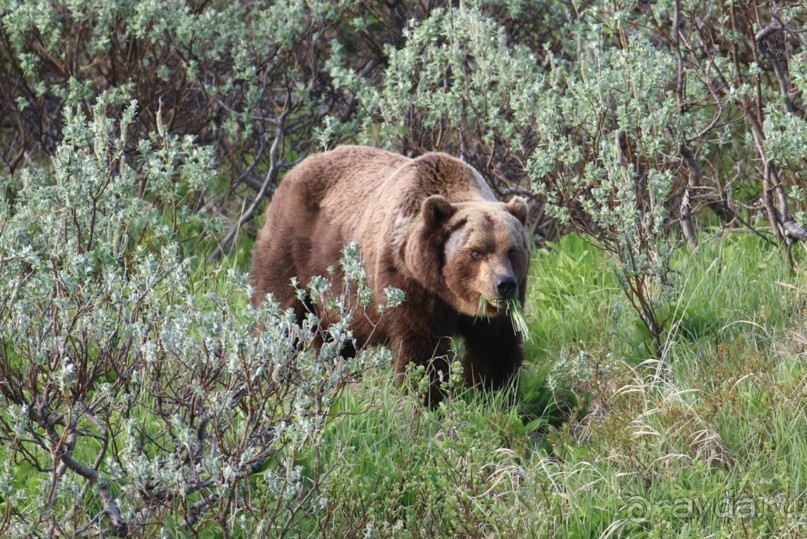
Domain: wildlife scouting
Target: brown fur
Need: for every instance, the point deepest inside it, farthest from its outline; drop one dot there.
(430, 226)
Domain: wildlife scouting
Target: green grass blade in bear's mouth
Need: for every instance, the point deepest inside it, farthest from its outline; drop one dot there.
(482, 308)
(516, 314)
(512, 307)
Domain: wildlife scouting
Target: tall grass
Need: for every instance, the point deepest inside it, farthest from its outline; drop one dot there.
(603, 441)
(708, 440)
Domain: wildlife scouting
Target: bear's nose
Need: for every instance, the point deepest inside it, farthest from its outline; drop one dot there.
(506, 286)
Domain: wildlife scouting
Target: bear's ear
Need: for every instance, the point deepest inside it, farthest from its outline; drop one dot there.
(518, 208)
(436, 210)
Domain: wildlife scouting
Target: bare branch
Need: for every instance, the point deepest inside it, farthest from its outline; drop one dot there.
(685, 209)
(267, 187)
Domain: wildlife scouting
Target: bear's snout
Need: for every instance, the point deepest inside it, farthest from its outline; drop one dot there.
(506, 286)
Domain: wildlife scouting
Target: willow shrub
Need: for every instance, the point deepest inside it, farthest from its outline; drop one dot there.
(636, 124)
(626, 125)
(134, 393)
(243, 78)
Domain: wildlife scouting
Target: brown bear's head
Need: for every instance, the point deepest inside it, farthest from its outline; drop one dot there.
(476, 253)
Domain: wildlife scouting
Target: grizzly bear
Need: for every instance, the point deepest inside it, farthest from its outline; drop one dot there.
(429, 226)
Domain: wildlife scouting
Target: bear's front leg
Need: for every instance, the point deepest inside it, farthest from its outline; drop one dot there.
(420, 346)
(493, 351)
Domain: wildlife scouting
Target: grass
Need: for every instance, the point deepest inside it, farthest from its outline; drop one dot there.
(707, 441)
(598, 439)
(512, 308)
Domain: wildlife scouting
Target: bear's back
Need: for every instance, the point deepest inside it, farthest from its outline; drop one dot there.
(347, 174)
(357, 176)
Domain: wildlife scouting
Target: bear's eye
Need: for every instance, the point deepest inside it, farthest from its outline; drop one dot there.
(512, 254)
(476, 255)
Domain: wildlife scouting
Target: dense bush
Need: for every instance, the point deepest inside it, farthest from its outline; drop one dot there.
(136, 398)
(134, 391)
(501, 84)
(625, 126)
(244, 78)
(531, 93)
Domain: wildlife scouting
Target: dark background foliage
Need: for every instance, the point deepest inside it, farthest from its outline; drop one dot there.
(255, 81)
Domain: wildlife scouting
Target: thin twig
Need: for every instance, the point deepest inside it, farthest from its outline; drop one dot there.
(685, 209)
(268, 183)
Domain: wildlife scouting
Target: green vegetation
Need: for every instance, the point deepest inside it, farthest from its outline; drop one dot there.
(605, 441)
(661, 146)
